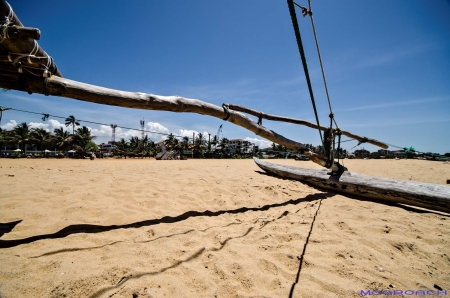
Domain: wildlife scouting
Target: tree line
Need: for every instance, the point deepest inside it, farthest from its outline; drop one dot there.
(80, 140)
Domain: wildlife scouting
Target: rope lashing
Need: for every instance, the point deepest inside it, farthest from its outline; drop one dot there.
(364, 140)
(339, 134)
(260, 119)
(52, 68)
(2, 109)
(4, 32)
(45, 117)
(305, 65)
(305, 11)
(225, 108)
(6, 22)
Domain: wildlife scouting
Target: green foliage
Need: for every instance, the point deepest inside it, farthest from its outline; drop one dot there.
(17, 154)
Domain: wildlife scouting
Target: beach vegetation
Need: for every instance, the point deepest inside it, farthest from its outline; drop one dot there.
(21, 135)
(41, 137)
(200, 145)
(71, 121)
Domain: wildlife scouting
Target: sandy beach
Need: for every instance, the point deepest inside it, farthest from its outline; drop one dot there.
(210, 228)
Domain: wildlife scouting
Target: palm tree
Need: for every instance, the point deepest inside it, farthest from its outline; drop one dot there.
(121, 148)
(61, 138)
(84, 133)
(82, 140)
(84, 149)
(41, 137)
(72, 121)
(185, 143)
(215, 140)
(21, 134)
(136, 147)
(149, 147)
(170, 141)
(224, 144)
(199, 144)
(5, 138)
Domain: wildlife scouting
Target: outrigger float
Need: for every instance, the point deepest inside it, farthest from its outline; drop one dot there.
(425, 195)
(25, 66)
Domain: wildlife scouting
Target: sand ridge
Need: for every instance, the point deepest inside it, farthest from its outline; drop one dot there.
(210, 228)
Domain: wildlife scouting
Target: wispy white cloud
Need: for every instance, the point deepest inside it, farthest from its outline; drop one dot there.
(396, 122)
(390, 104)
(407, 51)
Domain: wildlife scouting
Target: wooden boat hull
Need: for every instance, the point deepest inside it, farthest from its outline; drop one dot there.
(426, 195)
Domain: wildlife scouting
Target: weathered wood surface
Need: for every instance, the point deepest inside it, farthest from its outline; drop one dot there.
(303, 122)
(72, 89)
(426, 195)
(16, 32)
(24, 46)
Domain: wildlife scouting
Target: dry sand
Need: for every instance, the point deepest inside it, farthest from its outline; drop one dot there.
(210, 228)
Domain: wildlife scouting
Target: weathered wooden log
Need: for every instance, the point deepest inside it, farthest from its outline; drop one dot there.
(24, 46)
(67, 88)
(426, 195)
(15, 32)
(303, 122)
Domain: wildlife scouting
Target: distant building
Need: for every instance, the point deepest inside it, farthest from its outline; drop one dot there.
(240, 146)
(235, 145)
(384, 152)
(108, 148)
(161, 144)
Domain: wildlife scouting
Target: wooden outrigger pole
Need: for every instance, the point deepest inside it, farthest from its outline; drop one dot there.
(24, 66)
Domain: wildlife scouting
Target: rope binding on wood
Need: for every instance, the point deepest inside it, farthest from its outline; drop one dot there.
(225, 108)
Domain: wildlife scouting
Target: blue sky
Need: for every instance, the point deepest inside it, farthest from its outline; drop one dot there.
(387, 65)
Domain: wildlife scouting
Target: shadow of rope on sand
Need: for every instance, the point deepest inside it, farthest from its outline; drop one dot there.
(137, 275)
(73, 249)
(88, 228)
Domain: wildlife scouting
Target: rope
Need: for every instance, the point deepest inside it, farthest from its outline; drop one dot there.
(1, 112)
(6, 22)
(46, 116)
(227, 111)
(309, 12)
(302, 55)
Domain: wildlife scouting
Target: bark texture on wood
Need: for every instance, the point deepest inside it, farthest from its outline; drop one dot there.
(303, 122)
(23, 46)
(15, 32)
(426, 195)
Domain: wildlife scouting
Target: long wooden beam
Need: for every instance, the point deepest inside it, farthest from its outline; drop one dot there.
(303, 122)
(58, 86)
